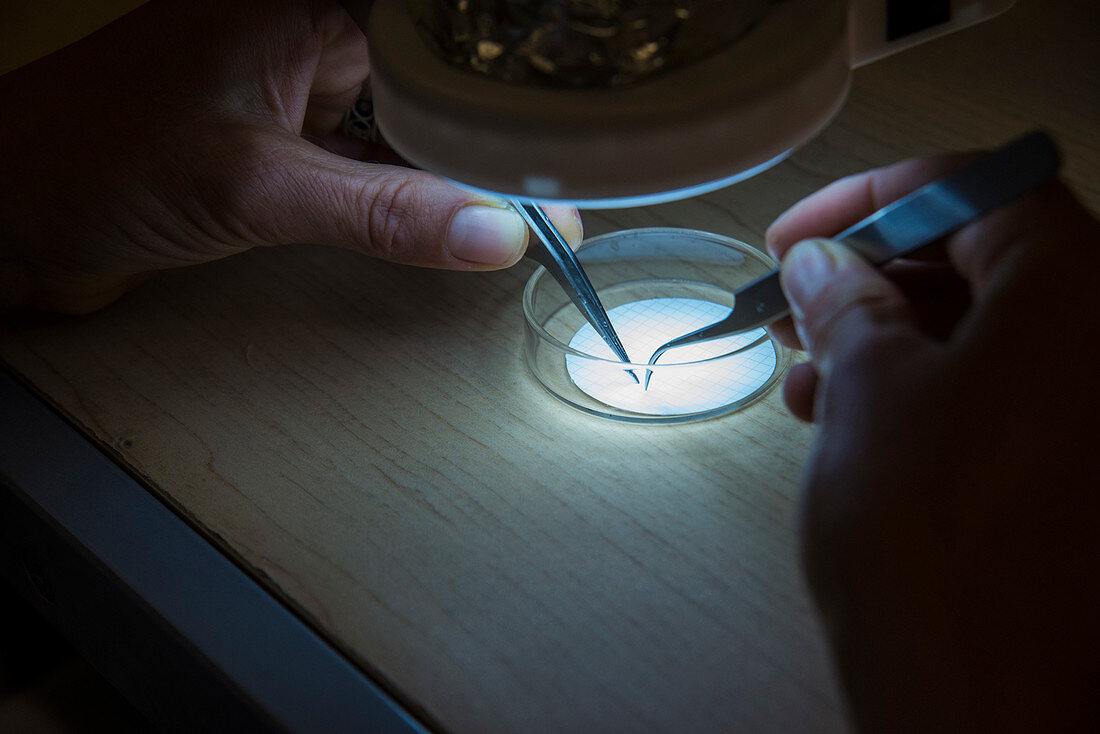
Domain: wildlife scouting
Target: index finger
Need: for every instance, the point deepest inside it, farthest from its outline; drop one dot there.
(845, 202)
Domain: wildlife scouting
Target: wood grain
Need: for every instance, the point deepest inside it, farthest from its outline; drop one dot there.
(364, 438)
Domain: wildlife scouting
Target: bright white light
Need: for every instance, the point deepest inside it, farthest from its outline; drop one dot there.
(547, 190)
(643, 326)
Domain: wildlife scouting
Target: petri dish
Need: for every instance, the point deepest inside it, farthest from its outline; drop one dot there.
(656, 284)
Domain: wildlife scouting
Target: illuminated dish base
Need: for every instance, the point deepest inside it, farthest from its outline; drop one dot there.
(703, 383)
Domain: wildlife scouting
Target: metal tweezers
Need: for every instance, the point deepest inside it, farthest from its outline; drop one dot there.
(911, 222)
(554, 253)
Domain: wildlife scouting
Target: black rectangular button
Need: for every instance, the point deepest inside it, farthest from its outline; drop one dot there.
(905, 17)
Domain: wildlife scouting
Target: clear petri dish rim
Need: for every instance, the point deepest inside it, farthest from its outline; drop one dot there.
(541, 272)
(536, 328)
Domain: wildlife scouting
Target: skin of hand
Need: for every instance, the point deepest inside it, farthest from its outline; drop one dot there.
(948, 519)
(190, 131)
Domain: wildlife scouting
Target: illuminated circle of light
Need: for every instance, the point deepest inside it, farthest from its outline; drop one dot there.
(696, 384)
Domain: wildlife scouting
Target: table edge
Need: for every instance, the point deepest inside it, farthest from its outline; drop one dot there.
(73, 519)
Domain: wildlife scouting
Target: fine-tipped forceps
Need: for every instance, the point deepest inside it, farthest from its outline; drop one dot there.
(553, 253)
(925, 215)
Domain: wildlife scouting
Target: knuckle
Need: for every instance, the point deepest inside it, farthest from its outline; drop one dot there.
(865, 356)
(859, 328)
(390, 208)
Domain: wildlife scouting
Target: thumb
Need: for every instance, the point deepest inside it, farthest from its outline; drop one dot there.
(845, 311)
(394, 213)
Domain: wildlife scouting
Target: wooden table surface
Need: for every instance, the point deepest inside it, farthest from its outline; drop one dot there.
(364, 438)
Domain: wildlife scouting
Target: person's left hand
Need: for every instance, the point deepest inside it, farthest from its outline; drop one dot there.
(947, 513)
(188, 131)
(938, 294)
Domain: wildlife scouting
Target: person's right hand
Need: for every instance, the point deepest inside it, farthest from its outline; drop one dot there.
(189, 131)
(950, 504)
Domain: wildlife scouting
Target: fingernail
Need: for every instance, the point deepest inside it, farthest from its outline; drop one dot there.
(807, 268)
(486, 235)
(769, 241)
(568, 221)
